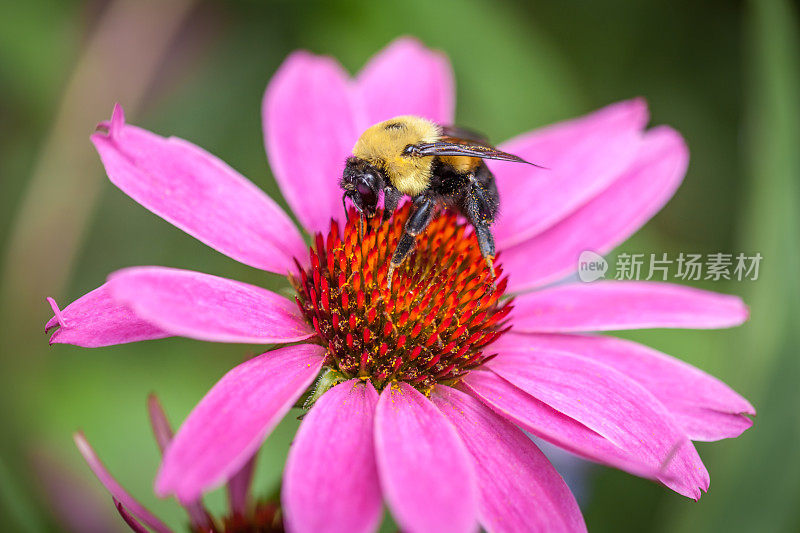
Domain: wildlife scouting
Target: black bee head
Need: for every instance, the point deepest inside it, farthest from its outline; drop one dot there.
(362, 183)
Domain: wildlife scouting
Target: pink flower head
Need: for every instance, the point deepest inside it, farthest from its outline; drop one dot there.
(425, 388)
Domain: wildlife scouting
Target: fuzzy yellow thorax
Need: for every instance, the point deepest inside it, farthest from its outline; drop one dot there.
(382, 146)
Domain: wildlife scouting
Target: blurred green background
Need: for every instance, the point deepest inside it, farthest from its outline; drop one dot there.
(724, 73)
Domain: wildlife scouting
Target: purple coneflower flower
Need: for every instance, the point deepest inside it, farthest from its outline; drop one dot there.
(411, 408)
(243, 515)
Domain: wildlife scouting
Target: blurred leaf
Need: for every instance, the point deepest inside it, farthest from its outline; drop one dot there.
(509, 76)
(15, 510)
(33, 54)
(755, 486)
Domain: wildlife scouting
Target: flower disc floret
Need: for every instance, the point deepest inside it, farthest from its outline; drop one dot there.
(432, 326)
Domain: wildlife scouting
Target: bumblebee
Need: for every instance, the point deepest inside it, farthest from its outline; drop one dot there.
(434, 165)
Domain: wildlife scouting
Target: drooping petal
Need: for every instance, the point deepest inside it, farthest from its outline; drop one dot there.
(582, 157)
(199, 194)
(116, 490)
(388, 88)
(233, 419)
(706, 408)
(613, 406)
(96, 319)
(519, 488)
(128, 518)
(565, 432)
(619, 305)
(544, 421)
(239, 487)
(425, 470)
(162, 431)
(205, 307)
(608, 219)
(311, 122)
(331, 479)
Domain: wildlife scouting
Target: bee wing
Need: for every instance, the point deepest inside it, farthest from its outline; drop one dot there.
(466, 147)
(457, 133)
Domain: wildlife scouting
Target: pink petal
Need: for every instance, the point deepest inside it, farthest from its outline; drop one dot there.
(583, 157)
(129, 519)
(311, 122)
(95, 320)
(224, 430)
(613, 406)
(331, 480)
(162, 431)
(519, 488)
(565, 432)
(608, 219)
(705, 407)
(541, 419)
(200, 194)
(426, 472)
(239, 485)
(406, 78)
(209, 308)
(117, 491)
(618, 305)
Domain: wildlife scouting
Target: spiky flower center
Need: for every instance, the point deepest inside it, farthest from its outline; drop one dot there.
(432, 326)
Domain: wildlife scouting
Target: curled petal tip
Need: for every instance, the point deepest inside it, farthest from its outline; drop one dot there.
(117, 120)
(58, 319)
(113, 127)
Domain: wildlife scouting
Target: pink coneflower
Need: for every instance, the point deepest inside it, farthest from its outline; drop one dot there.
(243, 515)
(424, 387)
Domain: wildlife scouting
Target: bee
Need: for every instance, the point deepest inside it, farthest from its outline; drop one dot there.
(434, 165)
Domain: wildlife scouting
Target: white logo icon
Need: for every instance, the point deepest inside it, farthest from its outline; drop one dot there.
(591, 266)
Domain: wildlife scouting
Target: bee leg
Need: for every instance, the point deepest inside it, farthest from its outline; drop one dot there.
(417, 222)
(344, 206)
(391, 197)
(486, 245)
(480, 207)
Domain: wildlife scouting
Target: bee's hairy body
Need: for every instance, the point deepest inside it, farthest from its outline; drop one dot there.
(412, 156)
(382, 146)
